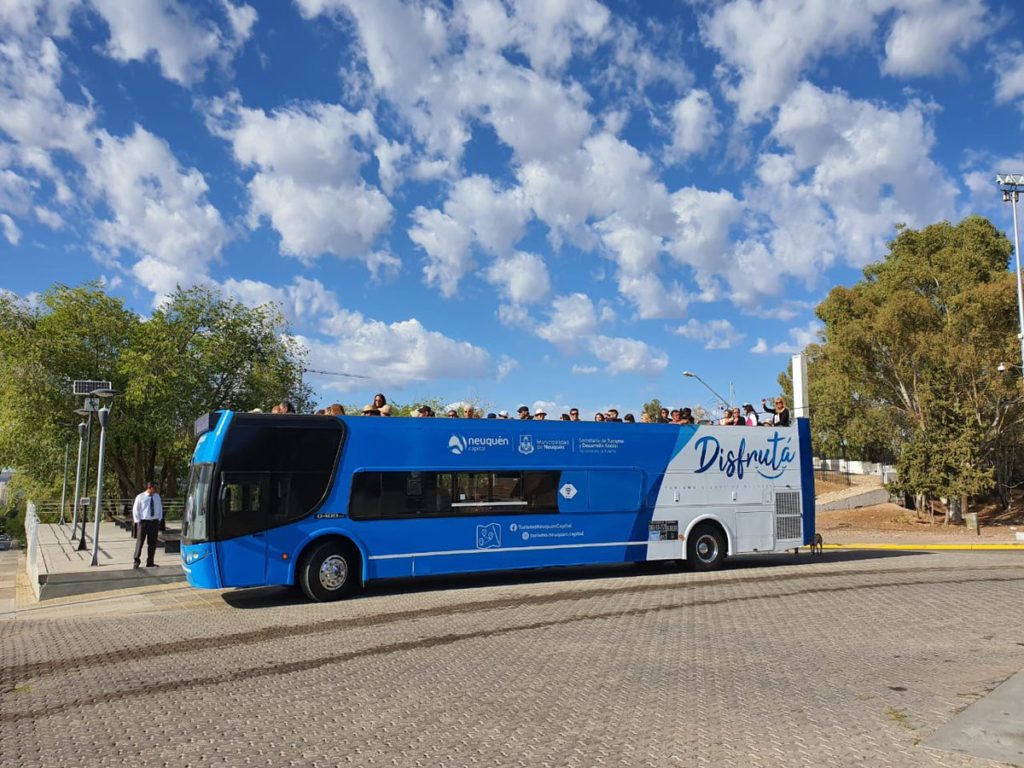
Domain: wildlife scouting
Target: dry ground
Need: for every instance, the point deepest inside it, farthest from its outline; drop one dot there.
(905, 524)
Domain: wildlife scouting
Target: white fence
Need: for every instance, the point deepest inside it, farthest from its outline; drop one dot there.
(32, 546)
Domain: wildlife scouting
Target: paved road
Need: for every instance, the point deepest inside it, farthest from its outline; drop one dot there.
(844, 660)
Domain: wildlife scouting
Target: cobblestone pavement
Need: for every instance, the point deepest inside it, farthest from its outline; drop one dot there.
(848, 659)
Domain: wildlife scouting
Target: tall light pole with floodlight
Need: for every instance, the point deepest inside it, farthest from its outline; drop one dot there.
(78, 479)
(692, 375)
(1011, 185)
(104, 416)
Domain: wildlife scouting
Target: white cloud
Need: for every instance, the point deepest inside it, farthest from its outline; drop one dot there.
(390, 354)
(522, 277)
(584, 370)
(308, 181)
(760, 69)
(395, 354)
(572, 318)
(701, 232)
(716, 334)
(11, 231)
(506, 365)
(496, 217)
(760, 348)
(623, 355)
(171, 34)
(694, 124)
(924, 38)
(799, 338)
(870, 164)
(49, 218)
(652, 297)
(1009, 70)
(447, 244)
(159, 211)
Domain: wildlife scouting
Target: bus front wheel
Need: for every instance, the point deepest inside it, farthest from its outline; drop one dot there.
(705, 548)
(330, 571)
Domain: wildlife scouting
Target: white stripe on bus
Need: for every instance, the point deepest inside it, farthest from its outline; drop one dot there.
(509, 549)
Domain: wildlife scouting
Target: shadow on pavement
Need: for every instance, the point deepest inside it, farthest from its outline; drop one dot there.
(272, 597)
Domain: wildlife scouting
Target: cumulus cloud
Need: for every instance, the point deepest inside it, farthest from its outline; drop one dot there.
(159, 211)
(447, 245)
(694, 124)
(799, 338)
(624, 355)
(522, 277)
(390, 354)
(793, 35)
(10, 229)
(307, 180)
(572, 318)
(760, 348)
(924, 38)
(171, 34)
(1009, 71)
(716, 334)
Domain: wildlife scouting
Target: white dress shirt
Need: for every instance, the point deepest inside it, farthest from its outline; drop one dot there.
(143, 509)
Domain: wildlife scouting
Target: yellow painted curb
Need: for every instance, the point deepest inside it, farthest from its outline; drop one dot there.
(932, 547)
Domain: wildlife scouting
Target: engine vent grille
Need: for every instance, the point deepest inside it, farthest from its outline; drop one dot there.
(788, 520)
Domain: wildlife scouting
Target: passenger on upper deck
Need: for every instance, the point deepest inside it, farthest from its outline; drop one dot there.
(574, 414)
(779, 414)
(370, 410)
(540, 414)
(524, 413)
(335, 409)
(686, 416)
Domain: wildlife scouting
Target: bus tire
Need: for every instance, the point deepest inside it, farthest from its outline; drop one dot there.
(329, 571)
(705, 548)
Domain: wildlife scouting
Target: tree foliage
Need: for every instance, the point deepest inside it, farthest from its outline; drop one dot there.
(909, 361)
(199, 351)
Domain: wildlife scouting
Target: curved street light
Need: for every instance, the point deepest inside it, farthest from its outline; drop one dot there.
(692, 375)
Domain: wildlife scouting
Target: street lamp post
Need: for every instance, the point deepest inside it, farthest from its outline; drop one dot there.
(85, 483)
(1011, 186)
(104, 417)
(64, 485)
(78, 478)
(692, 375)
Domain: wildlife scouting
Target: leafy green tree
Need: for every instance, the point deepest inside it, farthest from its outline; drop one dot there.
(652, 408)
(199, 351)
(911, 352)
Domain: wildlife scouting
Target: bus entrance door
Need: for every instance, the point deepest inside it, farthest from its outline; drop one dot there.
(243, 520)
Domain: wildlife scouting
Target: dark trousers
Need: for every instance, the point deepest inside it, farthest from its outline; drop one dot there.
(147, 529)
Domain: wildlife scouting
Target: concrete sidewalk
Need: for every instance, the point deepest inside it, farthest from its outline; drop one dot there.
(61, 569)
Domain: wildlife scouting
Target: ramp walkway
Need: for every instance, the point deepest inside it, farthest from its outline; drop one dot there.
(56, 568)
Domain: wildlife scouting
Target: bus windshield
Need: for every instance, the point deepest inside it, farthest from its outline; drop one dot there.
(194, 525)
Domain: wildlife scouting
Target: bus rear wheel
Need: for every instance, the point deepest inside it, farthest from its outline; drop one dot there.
(705, 548)
(330, 571)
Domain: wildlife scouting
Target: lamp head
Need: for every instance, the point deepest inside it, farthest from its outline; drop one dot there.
(81, 429)
(82, 411)
(104, 416)
(690, 374)
(103, 392)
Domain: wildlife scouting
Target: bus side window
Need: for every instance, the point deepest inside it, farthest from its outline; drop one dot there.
(365, 501)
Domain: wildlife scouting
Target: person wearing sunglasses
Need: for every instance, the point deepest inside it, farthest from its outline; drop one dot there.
(779, 414)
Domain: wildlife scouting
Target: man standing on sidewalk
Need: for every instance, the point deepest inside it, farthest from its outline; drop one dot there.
(147, 512)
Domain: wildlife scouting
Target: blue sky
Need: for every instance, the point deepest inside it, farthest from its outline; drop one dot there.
(549, 202)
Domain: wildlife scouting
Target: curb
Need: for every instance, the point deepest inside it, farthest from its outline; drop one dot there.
(932, 547)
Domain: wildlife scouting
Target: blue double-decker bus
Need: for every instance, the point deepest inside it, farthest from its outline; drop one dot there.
(330, 503)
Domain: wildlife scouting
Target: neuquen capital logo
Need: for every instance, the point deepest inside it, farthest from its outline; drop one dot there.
(456, 444)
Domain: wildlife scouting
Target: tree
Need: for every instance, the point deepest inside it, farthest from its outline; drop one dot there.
(652, 408)
(198, 352)
(911, 351)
